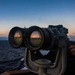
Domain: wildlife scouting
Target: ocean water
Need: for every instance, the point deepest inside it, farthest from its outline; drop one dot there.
(3, 38)
(10, 58)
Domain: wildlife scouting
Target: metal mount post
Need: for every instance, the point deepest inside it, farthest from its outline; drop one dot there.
(45, 66)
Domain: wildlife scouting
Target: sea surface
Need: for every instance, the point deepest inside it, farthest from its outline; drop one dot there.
(10, 58)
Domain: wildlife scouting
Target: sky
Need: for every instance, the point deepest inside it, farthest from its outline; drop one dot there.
(26, 13)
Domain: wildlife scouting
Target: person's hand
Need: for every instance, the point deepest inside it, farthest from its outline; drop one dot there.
(72, 49)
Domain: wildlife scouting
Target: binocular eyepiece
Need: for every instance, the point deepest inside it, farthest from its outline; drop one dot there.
(35, 38)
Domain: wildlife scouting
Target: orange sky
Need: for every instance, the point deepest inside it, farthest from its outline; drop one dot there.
(5, 34)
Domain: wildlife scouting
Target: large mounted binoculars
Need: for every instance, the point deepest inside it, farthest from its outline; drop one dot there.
(34, 38)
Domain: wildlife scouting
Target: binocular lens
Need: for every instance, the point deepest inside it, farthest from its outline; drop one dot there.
(35, 38)
(18, 37)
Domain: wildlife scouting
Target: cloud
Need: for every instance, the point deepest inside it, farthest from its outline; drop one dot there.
(3, 35)
(73, 33)
(72, 37)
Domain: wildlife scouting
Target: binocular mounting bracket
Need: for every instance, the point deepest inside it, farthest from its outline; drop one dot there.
(45, 66)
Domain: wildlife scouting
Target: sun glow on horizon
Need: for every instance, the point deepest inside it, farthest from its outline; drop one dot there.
(17, 35)
(35, 34)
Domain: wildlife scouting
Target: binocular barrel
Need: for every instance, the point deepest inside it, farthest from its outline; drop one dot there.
(34, 37)
(16, 37)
